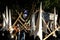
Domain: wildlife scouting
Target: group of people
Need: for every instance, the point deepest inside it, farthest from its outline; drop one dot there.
(18, 35)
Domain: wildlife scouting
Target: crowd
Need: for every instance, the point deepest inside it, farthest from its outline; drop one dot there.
(21, 35)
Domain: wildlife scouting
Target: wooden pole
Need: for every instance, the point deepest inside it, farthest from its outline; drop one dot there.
(33, 22)
(51, 33)
(6, 15)
(17, 19)
(46, 25)
(40, 23)
(10, 18)
(4, 21)
(55, 18)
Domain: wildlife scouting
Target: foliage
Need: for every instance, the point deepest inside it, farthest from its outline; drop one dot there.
(48, 5)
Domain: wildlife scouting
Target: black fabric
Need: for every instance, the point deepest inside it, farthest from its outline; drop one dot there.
(4, 35)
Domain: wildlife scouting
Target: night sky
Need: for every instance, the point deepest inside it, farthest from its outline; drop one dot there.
(13, 3)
